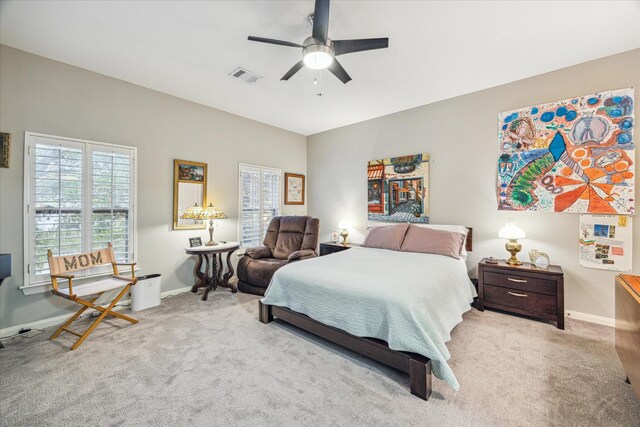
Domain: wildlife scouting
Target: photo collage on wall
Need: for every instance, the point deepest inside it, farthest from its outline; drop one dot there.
(605, 242)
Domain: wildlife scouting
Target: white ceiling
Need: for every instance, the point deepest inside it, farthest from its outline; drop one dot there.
(437, 49)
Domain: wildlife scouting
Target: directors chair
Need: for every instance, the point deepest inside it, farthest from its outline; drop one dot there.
(60, 266)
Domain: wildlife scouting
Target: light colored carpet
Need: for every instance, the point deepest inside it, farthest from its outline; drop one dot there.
(191, 362)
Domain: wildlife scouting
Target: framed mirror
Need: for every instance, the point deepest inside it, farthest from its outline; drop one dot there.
(189, 188)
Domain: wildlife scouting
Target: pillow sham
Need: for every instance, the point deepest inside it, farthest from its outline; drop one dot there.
(454, 228)
(431, 241)
(386, 236)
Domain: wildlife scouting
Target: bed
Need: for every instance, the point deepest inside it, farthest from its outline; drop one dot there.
(394, 307)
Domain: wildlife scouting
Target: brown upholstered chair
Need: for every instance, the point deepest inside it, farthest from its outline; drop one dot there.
(288, 239)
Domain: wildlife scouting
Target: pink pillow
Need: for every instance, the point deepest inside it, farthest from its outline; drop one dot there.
(430, 241)
(386, 236)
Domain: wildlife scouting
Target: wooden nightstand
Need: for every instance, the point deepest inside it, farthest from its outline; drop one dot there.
(327, 248)
(523, 289)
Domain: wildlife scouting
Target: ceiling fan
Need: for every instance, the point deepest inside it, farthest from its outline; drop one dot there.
(319, 51)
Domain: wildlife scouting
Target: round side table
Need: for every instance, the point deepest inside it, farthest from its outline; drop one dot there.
(212, 276)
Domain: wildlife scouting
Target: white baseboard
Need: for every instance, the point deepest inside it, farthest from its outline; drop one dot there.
(174, 292)
(591, 318)
(53, 321)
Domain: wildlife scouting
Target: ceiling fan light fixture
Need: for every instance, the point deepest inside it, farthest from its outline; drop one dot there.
(319, 51)
(318, 56)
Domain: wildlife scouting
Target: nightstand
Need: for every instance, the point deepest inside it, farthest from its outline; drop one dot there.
(327, 248)
(523, 289)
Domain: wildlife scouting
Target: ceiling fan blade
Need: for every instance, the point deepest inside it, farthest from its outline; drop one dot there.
(339, 72)
(273, 41)
(293, 70)
(341, 47)
(321, 21)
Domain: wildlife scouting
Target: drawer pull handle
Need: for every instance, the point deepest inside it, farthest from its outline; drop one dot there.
(515, 294)
(511, 279)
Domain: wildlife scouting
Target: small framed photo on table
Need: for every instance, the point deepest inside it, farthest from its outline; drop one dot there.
(293, 189)
(195, 241)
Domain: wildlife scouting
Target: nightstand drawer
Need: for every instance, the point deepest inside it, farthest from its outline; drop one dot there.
(520, 282)
(523, 302)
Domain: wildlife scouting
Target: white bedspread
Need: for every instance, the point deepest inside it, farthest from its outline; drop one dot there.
(410, 300)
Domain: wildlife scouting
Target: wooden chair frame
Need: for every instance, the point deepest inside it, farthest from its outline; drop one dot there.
(80, 262)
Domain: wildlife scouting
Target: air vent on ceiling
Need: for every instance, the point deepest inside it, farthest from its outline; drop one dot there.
(245, 75)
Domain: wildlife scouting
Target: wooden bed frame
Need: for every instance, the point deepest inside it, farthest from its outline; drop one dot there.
(417, 366)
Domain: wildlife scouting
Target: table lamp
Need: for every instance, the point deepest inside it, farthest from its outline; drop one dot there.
(344, 224)
(192, 212)
(512, 232)
(211, 213)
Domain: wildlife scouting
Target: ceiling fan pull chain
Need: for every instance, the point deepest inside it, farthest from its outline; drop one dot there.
(318, 83)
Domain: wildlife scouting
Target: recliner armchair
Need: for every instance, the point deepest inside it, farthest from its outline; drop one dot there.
(288, 239)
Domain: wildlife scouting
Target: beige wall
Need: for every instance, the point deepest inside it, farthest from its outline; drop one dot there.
(40, 95)
(460, 135)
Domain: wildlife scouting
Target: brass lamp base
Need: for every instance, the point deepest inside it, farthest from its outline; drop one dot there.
(344, 234)
(211, 242)
(513, 247)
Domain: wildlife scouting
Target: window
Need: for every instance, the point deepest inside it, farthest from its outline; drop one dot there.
(79, 196)
(259, 202)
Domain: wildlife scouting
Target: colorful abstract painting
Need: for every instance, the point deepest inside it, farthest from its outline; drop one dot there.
(575, 155)
(398, 189)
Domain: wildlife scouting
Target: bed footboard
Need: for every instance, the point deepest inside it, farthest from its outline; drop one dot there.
(418, 367)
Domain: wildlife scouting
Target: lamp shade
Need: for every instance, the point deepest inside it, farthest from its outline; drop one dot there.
(211, 212)
(512, 232)
(344, 224)
(192, 212)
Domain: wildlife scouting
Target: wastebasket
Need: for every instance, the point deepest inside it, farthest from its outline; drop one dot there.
(146, 293)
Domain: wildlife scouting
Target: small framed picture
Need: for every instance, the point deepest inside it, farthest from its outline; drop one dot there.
(191, 171)
(195, 241)
(293, 189)
(334, 237)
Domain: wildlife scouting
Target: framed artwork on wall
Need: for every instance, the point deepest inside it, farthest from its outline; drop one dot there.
(398, 189)
(5, 149)
(293, 189)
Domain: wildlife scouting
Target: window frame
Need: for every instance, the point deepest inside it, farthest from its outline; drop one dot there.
(280, 195)
(32, 284)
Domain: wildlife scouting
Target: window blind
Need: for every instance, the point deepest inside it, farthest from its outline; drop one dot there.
(80, 197)
(111, 191)
(57, 202)
(259, 202)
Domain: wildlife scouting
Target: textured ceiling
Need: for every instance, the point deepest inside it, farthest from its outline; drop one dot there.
(437, 49)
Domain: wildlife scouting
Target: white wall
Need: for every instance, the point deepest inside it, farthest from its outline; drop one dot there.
(460, 135)
(41, 95)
